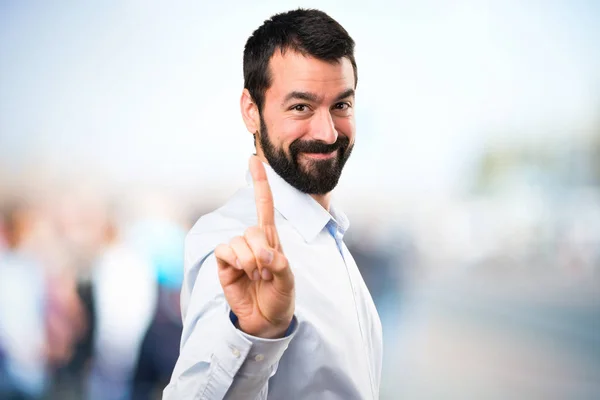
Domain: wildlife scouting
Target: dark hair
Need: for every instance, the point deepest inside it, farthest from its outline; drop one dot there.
(309, 32)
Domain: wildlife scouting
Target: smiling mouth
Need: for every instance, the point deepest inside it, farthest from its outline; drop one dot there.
(320, 156)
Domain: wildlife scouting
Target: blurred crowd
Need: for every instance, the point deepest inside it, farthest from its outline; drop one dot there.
(89, 296)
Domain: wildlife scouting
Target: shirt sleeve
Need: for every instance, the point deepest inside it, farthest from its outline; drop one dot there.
(217, 360)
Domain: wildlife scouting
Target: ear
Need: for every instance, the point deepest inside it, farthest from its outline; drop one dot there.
(249, 112)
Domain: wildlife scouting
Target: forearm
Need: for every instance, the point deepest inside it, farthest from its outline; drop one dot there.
(218, 361)
(260, 364)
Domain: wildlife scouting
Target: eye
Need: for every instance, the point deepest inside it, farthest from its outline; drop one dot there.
(300, 108)
(342, 106)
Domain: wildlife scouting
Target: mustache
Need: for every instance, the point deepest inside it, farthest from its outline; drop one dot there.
(318, 147)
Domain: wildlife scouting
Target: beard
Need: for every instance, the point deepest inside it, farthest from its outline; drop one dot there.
(314, 176)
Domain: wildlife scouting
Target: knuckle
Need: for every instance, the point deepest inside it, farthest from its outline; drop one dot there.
(281, 263)
(254, 236)
(236, 241)
(247, 261)
(221, 249)
(252, 232)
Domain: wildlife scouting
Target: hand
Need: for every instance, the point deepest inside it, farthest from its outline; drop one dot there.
(254, 273)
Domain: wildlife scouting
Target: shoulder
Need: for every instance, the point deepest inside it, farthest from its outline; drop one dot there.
(222, 224)
(218, 226)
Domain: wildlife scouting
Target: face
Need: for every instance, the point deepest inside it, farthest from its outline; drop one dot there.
(307, 124)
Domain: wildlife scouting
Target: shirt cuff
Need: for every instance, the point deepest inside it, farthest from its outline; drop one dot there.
(288, 332)
(264, 353)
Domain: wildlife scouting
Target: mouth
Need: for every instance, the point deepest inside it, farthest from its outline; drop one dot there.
(319, 156)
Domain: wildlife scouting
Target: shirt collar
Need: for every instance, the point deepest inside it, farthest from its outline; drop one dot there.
(300, 209)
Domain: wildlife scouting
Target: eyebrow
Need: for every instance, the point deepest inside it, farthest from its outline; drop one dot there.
(345, 94)
(307, 96)
(296, 95)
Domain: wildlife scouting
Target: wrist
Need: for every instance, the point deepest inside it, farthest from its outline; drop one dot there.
(270, 332)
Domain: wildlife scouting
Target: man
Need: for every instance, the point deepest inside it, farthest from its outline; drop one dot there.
(273, 304)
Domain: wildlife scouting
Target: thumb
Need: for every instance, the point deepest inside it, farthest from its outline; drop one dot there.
(277, 264)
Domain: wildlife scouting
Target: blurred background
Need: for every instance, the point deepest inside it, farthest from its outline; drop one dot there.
(473, 190)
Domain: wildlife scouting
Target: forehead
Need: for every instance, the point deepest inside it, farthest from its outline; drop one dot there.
(292, 71)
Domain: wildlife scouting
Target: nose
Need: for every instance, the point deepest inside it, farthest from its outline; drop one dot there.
(323, 128)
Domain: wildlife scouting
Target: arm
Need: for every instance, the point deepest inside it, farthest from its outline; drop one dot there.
(251, 277)
(217, 360)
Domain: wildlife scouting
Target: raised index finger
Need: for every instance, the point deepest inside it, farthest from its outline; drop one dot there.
(262, 194)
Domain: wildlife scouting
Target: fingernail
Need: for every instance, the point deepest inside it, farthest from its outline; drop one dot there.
(255, 275)
(266, 256)
(266, 274)
(238, 264)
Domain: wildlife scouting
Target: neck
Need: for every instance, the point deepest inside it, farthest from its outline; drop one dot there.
(323, 199)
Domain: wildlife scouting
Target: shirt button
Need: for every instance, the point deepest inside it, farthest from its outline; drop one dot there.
(235, 352)
(259, 357)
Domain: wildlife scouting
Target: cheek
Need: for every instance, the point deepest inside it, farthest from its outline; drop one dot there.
(346, 127)
(291, 130)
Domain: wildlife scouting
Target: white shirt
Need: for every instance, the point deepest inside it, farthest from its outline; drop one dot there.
(335, 348)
